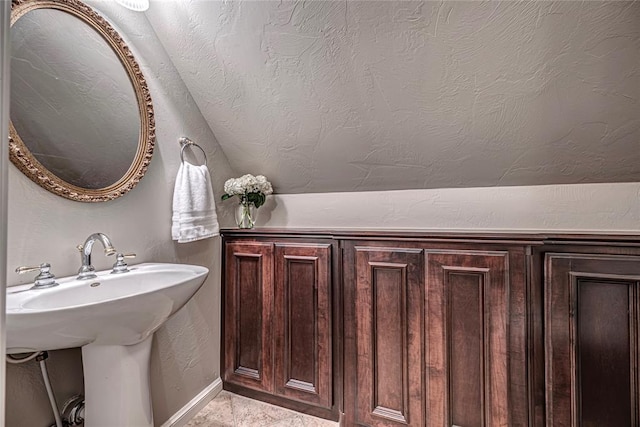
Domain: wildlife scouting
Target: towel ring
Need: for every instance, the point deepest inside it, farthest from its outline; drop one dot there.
(185, 142)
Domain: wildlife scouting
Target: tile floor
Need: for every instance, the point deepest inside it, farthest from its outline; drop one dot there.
(232, 410)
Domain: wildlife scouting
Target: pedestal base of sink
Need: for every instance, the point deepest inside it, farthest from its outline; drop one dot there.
(116, 383)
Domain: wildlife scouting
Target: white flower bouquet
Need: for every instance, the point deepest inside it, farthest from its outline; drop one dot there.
(249, 188)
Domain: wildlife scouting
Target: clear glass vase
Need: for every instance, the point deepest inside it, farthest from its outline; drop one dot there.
(246, 214)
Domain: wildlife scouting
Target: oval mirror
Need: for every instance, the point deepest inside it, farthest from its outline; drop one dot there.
(82, 122)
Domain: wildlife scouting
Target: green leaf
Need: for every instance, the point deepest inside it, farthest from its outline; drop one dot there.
(256, 198)
(226, 196)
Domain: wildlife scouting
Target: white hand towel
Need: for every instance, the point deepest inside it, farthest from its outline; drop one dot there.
(194, 208)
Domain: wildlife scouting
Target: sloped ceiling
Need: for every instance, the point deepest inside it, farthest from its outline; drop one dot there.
(324, 96)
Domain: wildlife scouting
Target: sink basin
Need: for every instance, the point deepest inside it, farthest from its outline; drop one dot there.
(112, 317)
(120, 309)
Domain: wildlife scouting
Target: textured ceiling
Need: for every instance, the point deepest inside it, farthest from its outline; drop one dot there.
(326, 96)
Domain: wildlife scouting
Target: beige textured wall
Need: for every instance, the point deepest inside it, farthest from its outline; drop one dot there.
(571, 207)
(44, 227)
(326, 96)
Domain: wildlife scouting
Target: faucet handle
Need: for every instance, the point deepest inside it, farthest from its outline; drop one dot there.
(45, 279)
(120, 266)
(24, 269)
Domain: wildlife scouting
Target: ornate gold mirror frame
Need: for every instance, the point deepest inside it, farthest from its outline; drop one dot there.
(32, 168)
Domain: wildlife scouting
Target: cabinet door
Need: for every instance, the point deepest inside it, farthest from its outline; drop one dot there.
(389, 337)
(302, 323)
(467, 354)
(248, 315)
(591, 340)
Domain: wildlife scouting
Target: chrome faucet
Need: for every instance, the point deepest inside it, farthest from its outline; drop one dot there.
(87, 271)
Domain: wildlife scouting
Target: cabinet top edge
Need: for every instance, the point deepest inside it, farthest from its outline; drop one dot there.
(533, 237)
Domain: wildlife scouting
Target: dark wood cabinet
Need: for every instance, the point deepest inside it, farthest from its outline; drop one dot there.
(467, 333)
(431, 345)
(426, 329)
(302, 323)
(278, 322)
(592, 340)
(389, 301)
(248, 313)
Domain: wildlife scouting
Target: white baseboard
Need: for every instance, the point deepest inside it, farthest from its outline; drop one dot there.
(188, 411)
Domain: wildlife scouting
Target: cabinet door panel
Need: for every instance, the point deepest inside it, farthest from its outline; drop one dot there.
(302, 323)
(248, 313)
(591, 340)
(389, 334)
(467, 354)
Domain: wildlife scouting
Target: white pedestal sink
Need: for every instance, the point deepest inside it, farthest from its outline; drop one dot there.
(112, 317)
